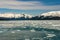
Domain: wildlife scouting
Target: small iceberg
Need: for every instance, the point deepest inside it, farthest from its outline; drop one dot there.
(32, 30)
(18, 30)
(51, 35)
(1, 31)
(12, 32)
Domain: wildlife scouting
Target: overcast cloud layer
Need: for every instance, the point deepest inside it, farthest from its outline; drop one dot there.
(27, 5)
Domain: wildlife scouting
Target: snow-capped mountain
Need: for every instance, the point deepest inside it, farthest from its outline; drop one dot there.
(52, 13)
(14, 15)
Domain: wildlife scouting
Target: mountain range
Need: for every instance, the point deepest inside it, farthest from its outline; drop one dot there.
(53, 15)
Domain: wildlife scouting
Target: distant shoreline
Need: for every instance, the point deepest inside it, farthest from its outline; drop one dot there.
(18, 20)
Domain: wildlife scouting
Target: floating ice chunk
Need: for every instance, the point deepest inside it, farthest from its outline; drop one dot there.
(12, 32)
(1, 31)
(51, 35)
(55, 25)
(32, 30)
(36, 38)
(37, 26)
(18, 30)
(24, 27)
(27, 39)
(44, 37)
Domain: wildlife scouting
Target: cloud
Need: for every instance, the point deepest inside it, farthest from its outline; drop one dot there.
(7, 0)
(27, 5)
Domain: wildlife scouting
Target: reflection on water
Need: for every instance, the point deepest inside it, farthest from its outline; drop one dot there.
(30, 30)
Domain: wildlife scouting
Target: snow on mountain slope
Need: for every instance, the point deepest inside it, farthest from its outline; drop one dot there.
(52, 13)
(26, 15)
(11, 15)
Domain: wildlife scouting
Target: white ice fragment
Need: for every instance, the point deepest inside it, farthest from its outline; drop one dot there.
(51, 35)
(12, 32)
(1, 31)
(27, 39)
(55, 25)
(32, 30)
(18, 30)
(24, 27)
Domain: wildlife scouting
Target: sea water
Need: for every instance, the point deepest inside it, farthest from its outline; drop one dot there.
(30, 30)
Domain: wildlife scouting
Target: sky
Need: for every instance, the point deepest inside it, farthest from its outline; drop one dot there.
(33, 7)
